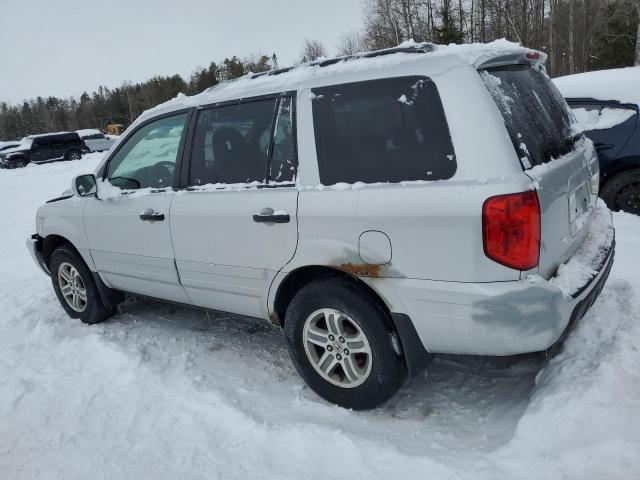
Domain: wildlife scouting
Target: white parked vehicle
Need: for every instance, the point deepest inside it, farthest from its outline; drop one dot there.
(95, 140)
(380, 208)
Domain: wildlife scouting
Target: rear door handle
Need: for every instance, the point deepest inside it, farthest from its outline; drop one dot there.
(268, 215)
(149, 215)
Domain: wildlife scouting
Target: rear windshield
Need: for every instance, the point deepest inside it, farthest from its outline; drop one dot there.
(389, 130)
(535, 114)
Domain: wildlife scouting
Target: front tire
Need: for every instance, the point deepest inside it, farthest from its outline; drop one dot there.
(75, 288)
(343, 344)
(19, 163)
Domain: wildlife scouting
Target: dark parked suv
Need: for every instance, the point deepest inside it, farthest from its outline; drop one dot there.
(43, 148)
(610, 118)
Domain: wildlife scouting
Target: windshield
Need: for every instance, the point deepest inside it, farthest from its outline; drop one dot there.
(25, 143)
(536, 116)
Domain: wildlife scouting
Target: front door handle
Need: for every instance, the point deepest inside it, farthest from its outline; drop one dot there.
(149, 215)
(268, 215)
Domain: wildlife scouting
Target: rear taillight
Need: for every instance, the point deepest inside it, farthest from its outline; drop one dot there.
(511, 229)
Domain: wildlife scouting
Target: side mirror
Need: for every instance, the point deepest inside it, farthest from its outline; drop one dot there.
(84, 185)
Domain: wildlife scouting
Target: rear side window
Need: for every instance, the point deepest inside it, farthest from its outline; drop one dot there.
(388, 130)
(535, 114)
(244, 143)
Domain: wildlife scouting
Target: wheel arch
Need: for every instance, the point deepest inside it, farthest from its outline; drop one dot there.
(67, 154)
(19, 156)
(51, 242)
(415, 355)
(110, 298)
(302, 276)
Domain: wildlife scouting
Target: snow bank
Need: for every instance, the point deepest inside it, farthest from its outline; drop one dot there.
(583, 419)
(621, 84)
(165, 392)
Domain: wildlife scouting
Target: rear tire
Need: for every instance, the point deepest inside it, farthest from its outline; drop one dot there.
(327, 318)
(75, 288)
(73, 155)
(622, 192)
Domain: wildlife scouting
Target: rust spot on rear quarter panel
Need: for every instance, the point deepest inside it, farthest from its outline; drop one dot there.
(361, 269)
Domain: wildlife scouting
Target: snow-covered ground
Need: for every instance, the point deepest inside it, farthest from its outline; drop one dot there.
(164, 392)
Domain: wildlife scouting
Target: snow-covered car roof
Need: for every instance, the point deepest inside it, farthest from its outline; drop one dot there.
(619, 84)
(435, 58)
(88, 131)
(47, 134)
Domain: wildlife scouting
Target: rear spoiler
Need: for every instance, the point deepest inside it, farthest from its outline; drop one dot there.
(526, 57)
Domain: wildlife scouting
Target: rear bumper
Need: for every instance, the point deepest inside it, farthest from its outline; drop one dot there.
(499, 318)
(34, 245)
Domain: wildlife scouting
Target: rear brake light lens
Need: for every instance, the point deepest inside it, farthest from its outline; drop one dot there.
(511, 229)
(533, 55)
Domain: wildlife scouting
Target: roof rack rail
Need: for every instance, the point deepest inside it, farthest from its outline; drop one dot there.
(416, 48)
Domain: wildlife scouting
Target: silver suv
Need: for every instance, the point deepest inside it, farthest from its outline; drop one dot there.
(379, 208)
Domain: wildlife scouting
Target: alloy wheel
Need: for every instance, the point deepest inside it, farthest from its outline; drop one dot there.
(337, 348)
(72, 287)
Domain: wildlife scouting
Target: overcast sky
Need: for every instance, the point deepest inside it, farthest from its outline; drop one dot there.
(64, 47)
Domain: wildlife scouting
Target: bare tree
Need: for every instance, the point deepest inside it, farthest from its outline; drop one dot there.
(572, 49)
(312, 50)
(350, 43)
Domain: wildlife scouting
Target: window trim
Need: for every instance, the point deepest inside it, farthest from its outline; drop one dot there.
(185, 166)
(102, 173)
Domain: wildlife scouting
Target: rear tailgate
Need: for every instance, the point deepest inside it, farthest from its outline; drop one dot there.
(561, 162)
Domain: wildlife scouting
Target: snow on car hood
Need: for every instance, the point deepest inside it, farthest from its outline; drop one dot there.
(25, 144)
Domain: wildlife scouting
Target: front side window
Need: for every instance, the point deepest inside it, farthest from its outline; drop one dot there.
(388, 130)
(71, 139)
(231, 143)
(41, 143)
(148, 157)
(57, 141)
